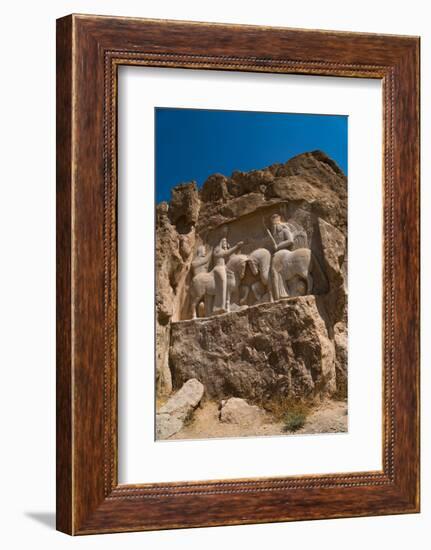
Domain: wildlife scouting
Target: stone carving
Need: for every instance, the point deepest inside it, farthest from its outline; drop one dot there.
(280, 233)
(257, 278)
(201, 262)
(288, 265)
(302, 244)
(268, 276)
(222, 295)
(217, 286)
(286, 235)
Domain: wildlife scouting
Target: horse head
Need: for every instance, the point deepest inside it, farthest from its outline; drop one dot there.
(253, 262)
(259, 262)
(237, 264)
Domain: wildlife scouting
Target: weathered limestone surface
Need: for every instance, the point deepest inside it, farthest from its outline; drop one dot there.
(334, 255)
(174, 253)
(311, 180)
(279, 349)
(296, 346)
(172, 415)
(341, 351)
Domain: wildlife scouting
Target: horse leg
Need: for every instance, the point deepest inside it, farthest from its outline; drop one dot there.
(233, 286)
(258, 290)
(271, 297)
(281, 286)
(208, 303)
(285, 288)
(274, 284)
(226, 294)
(195, 306)
(266, 284)
(244, 292)
(309, 283)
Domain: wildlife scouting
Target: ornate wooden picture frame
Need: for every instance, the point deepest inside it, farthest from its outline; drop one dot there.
(89, 51)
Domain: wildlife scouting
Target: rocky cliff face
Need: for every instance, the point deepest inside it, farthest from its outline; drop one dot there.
(268, 351)
(292, 347)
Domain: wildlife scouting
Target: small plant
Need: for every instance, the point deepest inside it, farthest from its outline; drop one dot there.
(294, 421)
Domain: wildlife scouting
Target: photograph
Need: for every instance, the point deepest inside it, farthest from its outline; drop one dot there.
(250, 273)
(213, 319)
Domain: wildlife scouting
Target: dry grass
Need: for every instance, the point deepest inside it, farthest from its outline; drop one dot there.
(292, 413)
(324, 417)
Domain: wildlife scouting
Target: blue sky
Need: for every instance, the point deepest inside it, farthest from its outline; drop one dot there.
(192, 144)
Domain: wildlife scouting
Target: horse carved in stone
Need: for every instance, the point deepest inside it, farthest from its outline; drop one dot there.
(288, 265)
(203, 285)
(257, 278)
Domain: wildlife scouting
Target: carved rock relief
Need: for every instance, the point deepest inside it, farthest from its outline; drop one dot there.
(258, 240)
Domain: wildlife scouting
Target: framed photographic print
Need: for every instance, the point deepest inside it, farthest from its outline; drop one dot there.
(237, 274)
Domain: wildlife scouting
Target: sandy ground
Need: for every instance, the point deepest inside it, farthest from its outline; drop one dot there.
(327, 417)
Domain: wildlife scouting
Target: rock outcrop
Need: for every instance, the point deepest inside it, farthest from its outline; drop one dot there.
(294, 347)
(179, 407)
(175, 242)
(272, 350)
(311, 180)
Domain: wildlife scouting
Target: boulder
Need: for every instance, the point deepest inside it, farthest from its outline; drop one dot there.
(167, 425)
(171, 416)
(238, 411)
(271, 350)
